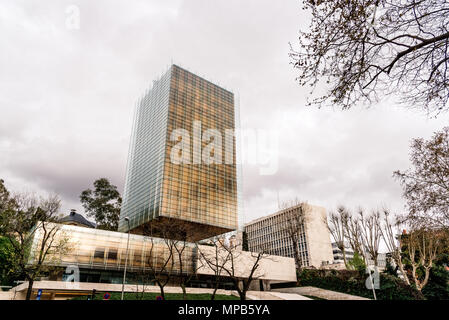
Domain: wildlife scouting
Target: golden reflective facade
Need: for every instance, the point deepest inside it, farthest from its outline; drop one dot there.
(201, 194)
(106, 250)
(94, 255)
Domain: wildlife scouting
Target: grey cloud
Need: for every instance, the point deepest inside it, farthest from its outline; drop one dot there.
(67, 97)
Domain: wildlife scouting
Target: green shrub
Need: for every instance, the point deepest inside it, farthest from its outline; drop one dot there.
(357, 263)
(389, 269)
(7, 275)
(353, 282)
(438, 286)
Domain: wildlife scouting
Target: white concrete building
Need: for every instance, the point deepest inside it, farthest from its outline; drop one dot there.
(270, 233)
(338, 254)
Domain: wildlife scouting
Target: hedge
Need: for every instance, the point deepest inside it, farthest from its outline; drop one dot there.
(353, 282)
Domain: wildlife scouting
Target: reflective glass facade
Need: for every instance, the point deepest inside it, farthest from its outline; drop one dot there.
(144, 176)
(202, 194)
(106, 250)
(100, 256)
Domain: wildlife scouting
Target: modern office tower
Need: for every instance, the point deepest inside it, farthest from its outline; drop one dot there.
(197, 192)
(270, 234)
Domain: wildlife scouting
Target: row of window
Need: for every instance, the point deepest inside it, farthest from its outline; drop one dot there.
(189, 79)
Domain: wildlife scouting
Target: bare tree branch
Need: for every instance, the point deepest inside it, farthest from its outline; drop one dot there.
(366, 48)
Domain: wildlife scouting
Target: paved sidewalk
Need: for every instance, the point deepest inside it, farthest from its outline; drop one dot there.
(289, 296)
(265, 295)
(320, 293)
(76, 288)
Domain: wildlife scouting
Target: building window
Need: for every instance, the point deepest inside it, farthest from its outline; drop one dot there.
(99, 255)
(112, 255)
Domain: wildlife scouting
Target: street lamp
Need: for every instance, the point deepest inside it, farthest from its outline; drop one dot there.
(126, 260)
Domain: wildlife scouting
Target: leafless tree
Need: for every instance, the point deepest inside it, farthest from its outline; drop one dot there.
(364, 48)
(423, 245)
(391, 232)
(426, 185)
(214, 260)
(354, 234)
(240, 267)
(337, 224)
(170, 257)
(242, 282)
(29, 225)
(371, 233)
(161, 256)
(185, 255)
(293, 225)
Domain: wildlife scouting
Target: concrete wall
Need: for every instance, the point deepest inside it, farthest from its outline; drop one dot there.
(60, 290)
(271, 231)
(84, 242)
(318, 236)
(274, 268)
(6, 295)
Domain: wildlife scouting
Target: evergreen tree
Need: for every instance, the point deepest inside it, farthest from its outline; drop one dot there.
(103, 203)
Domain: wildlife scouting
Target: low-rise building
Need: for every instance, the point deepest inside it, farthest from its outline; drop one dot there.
(349, 253)
(99, 256)
(270, 234)
(338, 253)
(76, 219)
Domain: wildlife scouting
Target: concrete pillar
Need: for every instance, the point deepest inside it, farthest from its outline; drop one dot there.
(266, 285)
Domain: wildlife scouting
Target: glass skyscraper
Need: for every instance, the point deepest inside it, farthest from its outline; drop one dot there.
(203, 195)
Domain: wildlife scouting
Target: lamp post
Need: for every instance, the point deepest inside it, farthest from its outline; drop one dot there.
(126, 260)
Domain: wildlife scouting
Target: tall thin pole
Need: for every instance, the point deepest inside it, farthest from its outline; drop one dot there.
(370, 277)
(126, 261)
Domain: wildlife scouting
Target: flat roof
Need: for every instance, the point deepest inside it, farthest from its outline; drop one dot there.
(279, 212)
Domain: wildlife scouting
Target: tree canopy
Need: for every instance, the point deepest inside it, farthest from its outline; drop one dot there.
(33, 238)
(6, 262)
(103, 203)
(426, 184)
(365, 49)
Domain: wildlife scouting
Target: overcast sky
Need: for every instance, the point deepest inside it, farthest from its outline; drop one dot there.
(67, 96)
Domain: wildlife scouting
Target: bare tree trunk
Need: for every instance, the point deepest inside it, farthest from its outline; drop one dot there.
(162, 293)
(294, 225)
(426, 244)
(214, 292)
(30, 288)
(401, 269)
(337, 226)
(239, 289)
(343, 250)
(184, 293)
(161, 288)
(297, 258)
(391, 240)
(426, 277)
(418, 286)
(242, 291)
